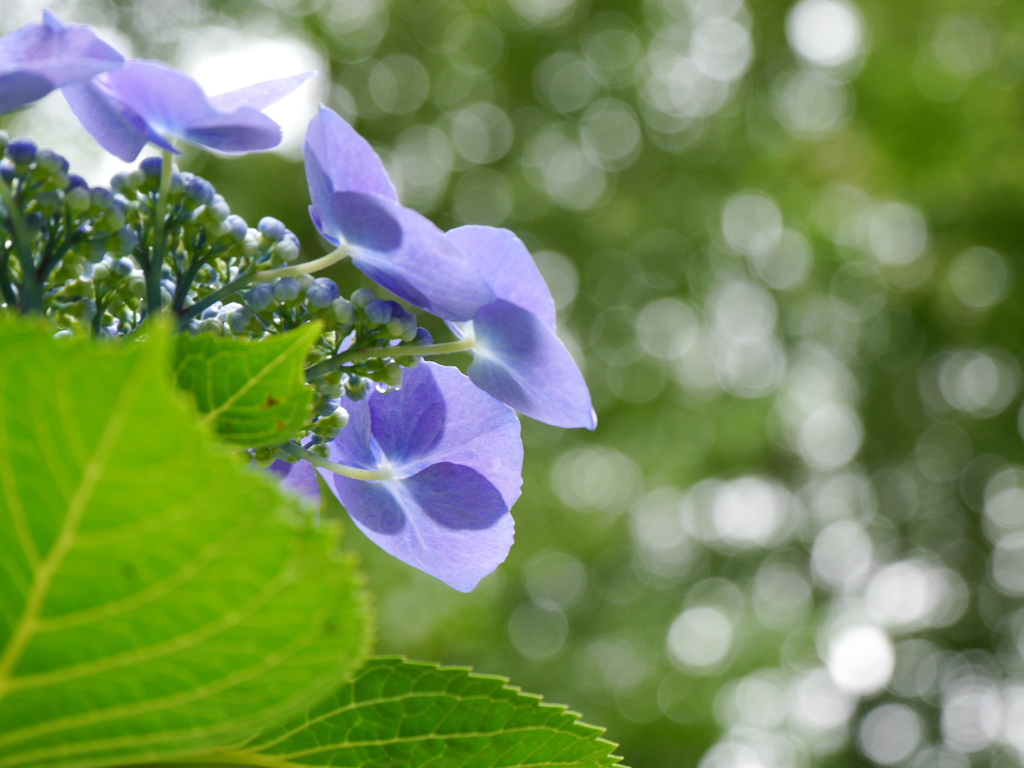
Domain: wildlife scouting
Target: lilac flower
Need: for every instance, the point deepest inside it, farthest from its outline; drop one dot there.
(36, 58)
(517, 356)
(354, 202)
(453, 461)
(146, 101)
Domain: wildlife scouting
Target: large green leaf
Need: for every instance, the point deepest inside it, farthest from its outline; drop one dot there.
(398, 714)
(251, 393)
(158, 597)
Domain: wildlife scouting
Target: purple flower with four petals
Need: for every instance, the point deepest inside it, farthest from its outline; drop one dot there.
(37, 58)
(355, 203)
(450, 460)
(146, 101)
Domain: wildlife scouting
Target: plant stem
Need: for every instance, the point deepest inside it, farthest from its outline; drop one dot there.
(221, 293)
(156, 256)
(6, 289)
(426, 350)
(31, 294)
(338, 469)
(306, 268)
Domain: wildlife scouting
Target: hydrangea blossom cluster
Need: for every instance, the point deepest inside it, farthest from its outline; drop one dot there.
(426, 460)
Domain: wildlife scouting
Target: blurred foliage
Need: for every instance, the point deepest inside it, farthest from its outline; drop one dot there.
(785, 240)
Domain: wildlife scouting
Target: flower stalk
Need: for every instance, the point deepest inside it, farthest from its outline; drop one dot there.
(156, 258)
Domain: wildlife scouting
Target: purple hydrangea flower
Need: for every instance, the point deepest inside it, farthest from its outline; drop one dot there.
(355, 202)
(36, 58)
(455, 460)
(517, 356)
(146, 101)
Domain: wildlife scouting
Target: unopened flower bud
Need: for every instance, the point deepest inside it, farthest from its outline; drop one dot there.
(403, 327)
(124, 240)
(136, 179)
(287, 289)
(238, 321)
(152, 167)
(199, 190)
(77, 200)
(100, 272)
(218, 208)
(260, 296)
(286, 249)
(422, 338)
(356, 387)
(50, 161)
(7, 170)
(378, 312)
(343, 311)
(50, 201)
(362, 297)
(113, 218)
(322, 292)
(328, 406)
(211, 325)
(101, 199)
(120, 182)
(237, 228)
(271, 228)
(392, 375)
(137, 284)
(123, 267)
(263, 457)
(22, 150)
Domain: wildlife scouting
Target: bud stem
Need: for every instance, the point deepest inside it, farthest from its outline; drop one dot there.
(31, 299)
(339, 253)
(334, 363)
(338, 469)
(155, 268)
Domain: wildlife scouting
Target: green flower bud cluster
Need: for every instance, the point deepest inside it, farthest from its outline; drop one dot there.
(361, 324)
(92, 246)
(53, 229)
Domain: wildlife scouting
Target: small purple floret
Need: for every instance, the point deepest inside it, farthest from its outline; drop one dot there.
(146, 101)
(455, 458)
(396, 247)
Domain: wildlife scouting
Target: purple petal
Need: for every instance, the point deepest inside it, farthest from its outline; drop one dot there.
(18, 89)
(167, 99)
(520, 361)
(259, 96)
(448, 521)
(457, 459)
(116, 127)
(245, 130)
(334, 238)
(340, 160)
(508, 268)
(406, 253)
(149, 101)
(409, 424)
(37, 58)
(299, 477)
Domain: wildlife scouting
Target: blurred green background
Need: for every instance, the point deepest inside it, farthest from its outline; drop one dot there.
(784, 239)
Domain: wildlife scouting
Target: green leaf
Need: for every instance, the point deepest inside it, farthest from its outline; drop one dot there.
(158, 597)
(253, 393)
(413, 715)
